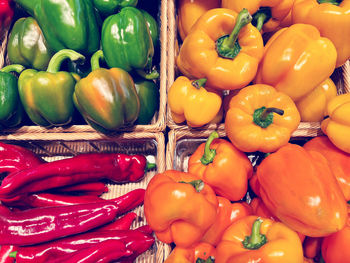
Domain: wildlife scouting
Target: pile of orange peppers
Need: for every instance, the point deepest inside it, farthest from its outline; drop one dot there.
(275, 58)
(290, 206)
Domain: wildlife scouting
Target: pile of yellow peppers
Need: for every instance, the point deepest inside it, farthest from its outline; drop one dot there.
(275, 58)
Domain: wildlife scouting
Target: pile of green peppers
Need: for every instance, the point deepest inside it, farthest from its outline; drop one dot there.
(91, 59)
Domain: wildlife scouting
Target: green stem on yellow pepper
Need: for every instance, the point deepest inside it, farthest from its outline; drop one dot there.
(333, 2)
(209, 154)
(255, 240)
(197, 184)
(261, 17)
(95, 59)
(13, 68)
(263, 116)
(199, 83)
(60, 56)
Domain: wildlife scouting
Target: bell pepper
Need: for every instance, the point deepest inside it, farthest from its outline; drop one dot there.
(312, 247)
(47, 95)
(6, 14)
(128, 32)
(255, 239)
(107, 98)
(198, 253)
(179, 207)
(27, 45)
(148, 94)
(152, 26)
(188, 12)
(337, 125)
(331, 17)
(261, 119)
(223, 47)
(190, 101)
(66, 24)
(6, 252)
(296, 60)
(312, 107)
(338, 160)
(110, 7)
(267, 15)
(293, 181)
(221, 165)
(11, 110)
(227, 213)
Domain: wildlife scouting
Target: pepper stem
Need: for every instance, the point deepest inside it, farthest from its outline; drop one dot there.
(209, 260)
(255, 240)
(60, 56)
(228, 46)
(197, 184)
(150, 166)
(199, 83)
(209, 154)
(13, 68)
(95, 59)
(333, 2)
(13, 254)
(149, 72)
(263, 116)
(261, 17)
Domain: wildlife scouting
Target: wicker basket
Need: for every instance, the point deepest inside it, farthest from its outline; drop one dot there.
(158, 122)
(341, 77)
(149, 144)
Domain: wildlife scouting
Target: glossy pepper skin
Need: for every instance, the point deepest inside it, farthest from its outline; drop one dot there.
(5, 253)
(37, 88)
(27, 45)
(128, 33)
(337, 125)
(66, 24)
(189, 11)
(311, 60)
(338, 160)
(80, 168)
(178, 211)
(223, 47)
(11, 110)
(38, 225)
(306, 184)
(190, 101)
(93, 188)
(6, 14)
(312, 107)
(199, 252)
(261, 119)
(110, 7)
(331, 17)
(267, 14)
(219, 164)
(107, 98)
(254, 239)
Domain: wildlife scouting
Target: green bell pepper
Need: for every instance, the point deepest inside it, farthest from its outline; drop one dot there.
(148, 94)
(127, 43)
(47, 95)
(107, 98)
(27, 45)
(11, 110)
(152, 26)
(66, 24)
(109, 7)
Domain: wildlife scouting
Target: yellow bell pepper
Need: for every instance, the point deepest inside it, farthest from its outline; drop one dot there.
(267, 14)
(189, 11)
(337, 125)
(189, 101)
(296, 60)
(331, 17)
(261, 119)
(223, 47)
(313, 106)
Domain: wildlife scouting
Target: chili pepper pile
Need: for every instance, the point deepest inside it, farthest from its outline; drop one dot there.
(52, 212)
(61, 81)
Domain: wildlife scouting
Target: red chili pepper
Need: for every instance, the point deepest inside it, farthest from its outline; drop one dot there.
(81, 168)
(134, 240)
(38, 225)
(145, 229)
(6, 14)
(14, 158)
(93, 188)
(5, 252)
(122, 223)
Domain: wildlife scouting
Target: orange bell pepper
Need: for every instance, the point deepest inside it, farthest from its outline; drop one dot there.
(267, 14)
(190, 101)
(296, 60)
(299, 188)
(337, 126)
(219, 164)
(223, 47)
(338, 160)
(251, 124)
(179, 207)
(227, 214)
(254, 239)
(198, 253)
(189, 11)
(332, 19)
